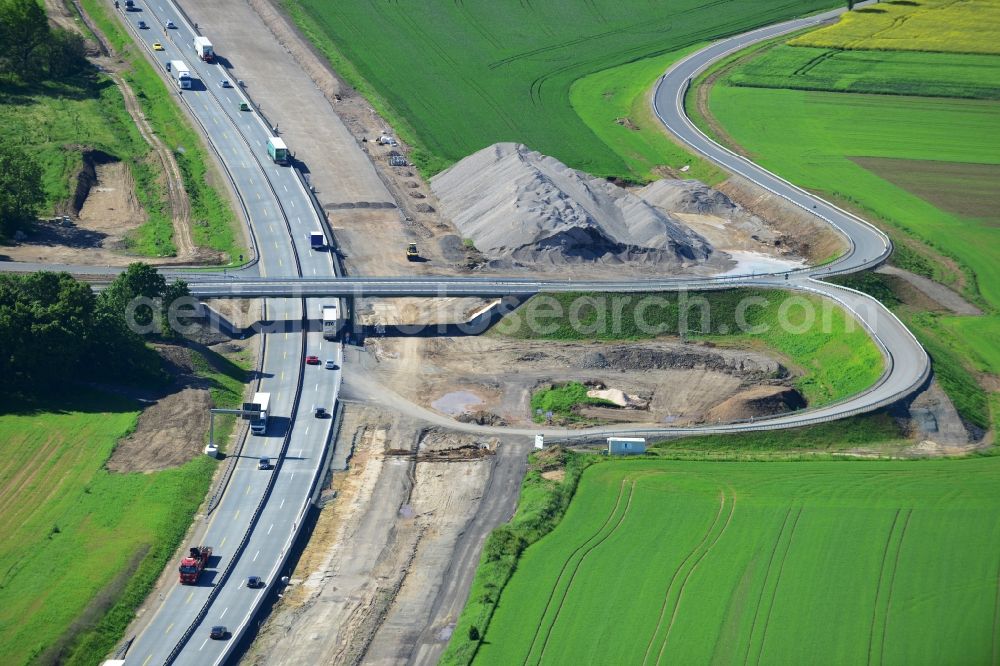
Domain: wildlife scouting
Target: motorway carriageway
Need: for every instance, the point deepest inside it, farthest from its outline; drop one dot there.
(281, 216)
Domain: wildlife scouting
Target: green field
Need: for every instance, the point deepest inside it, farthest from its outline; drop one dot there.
(454, 77)
(964, 26)
(606, 99)
(832, 353)
(56, 121)
(772, 563)
(83, 546)
(885, 72)
(79, 539)
(926, 165)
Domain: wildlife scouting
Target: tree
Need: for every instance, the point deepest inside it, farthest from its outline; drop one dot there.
(133, 296)
(473, 633)
(850, 5)
(175, 290)
(65, 53)
(21, 192)
(23, 29)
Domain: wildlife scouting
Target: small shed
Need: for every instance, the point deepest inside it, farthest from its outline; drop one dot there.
(626, 446)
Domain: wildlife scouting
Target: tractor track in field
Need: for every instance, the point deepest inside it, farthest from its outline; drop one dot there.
(677, 570)
(763, 587)
(555, 586)
(477, 26)
(878, 589)
(687, 577)
(777, 583)
(444, 55)
(572, 578)
(892, 581)
(599, 35)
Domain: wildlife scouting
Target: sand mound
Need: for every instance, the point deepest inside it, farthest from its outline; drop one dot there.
(689, 196)
(517, 204)
(619, 397)
(756, 402)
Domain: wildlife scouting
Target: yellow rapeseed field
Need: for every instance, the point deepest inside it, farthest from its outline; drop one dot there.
(954, 26)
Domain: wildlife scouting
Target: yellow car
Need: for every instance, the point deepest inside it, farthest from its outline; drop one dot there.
(157, 46)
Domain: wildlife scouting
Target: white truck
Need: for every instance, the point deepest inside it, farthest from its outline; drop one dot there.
(277, 150)
(203, 49)
(181, 74)
(258, 424)
(332, 322)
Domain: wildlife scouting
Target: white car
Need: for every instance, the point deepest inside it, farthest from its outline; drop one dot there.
(330, 364)
(170, 24)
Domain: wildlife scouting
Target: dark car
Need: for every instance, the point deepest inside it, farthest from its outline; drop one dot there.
(219, 633)
(264, 463)
(142, 25)
(319, 411)
(312, 360)
(225, 83)
(253, 582)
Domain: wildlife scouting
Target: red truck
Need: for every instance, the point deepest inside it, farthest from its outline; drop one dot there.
(192, 565)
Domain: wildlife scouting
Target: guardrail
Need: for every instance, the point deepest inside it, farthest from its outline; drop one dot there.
(190, 112)
(234, 560)
(220, 488)
(297, 524)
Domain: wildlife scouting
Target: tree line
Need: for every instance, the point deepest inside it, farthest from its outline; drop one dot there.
(31, 49)
(54, 330)
(31, 52)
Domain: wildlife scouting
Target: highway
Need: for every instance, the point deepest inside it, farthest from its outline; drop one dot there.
(281, 216)
(261, 511)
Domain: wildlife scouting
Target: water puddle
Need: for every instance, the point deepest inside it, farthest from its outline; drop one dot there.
(756, 263)
(456, 402)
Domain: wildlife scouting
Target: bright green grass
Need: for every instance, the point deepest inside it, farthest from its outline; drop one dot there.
(603, 98)
(886, 72)
(454, 77)
(819, 132)
(213, 224)
(690, 562)
(871, 430)
(835, 355)
(74, 531)
(116, 532)
(561, 400)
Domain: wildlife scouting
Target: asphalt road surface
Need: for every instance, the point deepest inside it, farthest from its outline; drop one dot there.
(281, 216)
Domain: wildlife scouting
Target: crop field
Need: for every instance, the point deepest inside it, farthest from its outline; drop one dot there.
(886, 72)
(74, 532)
(953, 26)
(770, 563)
(920, 158)
(454, 77)
(834, 354)
(822, 136)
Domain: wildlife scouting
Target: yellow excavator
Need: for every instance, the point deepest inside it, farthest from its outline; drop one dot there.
(411, 252)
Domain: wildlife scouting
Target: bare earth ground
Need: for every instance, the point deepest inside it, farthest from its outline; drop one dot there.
(173, 424)
(375, 562)
(935, 291)
(496, 376)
